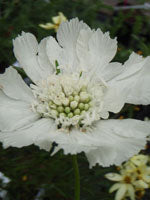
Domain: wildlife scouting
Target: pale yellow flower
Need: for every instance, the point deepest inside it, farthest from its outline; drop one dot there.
(134, 177)
(57, 20)
(139, 159)
(124, 186)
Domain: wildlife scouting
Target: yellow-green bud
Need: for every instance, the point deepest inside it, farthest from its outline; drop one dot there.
(67, 110)
(71, 98)
(83, 89)
(81, 106)
(60, 109)
(74, 93)
(83, 112)
(77, 111)
(50, 103)
(70, 115)
(86, 106)
(83, 96)
(62, 114)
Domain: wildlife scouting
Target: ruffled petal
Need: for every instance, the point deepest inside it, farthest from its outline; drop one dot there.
(26, 51)
(95, 50)
(55, 53)
(13, 86)
(118, 140)
(67, 35)
(44, 63)
(102, 49)
(14, 114)
(72, 142)
(34, 133)
(134, 81)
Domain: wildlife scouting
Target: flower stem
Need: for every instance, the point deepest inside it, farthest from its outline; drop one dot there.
(77, 177)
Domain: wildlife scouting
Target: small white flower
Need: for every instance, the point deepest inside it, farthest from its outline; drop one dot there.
(72, 107)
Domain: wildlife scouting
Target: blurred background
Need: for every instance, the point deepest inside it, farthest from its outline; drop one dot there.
(33, 173)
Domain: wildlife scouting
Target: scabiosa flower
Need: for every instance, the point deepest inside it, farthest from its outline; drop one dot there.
(74, 89)
(57, 20)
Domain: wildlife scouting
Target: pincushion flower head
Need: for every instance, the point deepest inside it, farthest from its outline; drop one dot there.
(74, 89)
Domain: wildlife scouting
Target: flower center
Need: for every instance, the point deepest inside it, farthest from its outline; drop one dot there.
(68, 99)
(127, 179)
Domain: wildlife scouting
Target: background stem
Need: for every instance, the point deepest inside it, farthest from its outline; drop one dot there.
(77, 177)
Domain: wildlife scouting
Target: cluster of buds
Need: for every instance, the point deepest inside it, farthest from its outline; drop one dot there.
(133, 179)
(75, 104)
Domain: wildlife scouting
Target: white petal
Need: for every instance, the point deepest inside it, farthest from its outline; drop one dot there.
(118, 140)
(82, 49)
(72, 142)
(116, 186)
(113, 176)
(103, 156)
(13, 86)
(55, 52)
(121, 192)
(102, 49)
(14, 113)
(26, 51)
(113, 101)
(67, 35)
(131, 191)
(45, 65)
(111, 71)
(34, 133)
(135, 80)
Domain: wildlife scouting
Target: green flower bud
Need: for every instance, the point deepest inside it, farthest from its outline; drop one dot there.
(83, 112)
(71, 98)
(70, 115)
(83, 89)
(60, 109)
(67, 110)
(74, 93)
(77, 111)
(81, 106)
(86, 106)
(84, 96)
(62, 114)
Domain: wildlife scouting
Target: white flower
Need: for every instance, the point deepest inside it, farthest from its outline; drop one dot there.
(72, 107)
